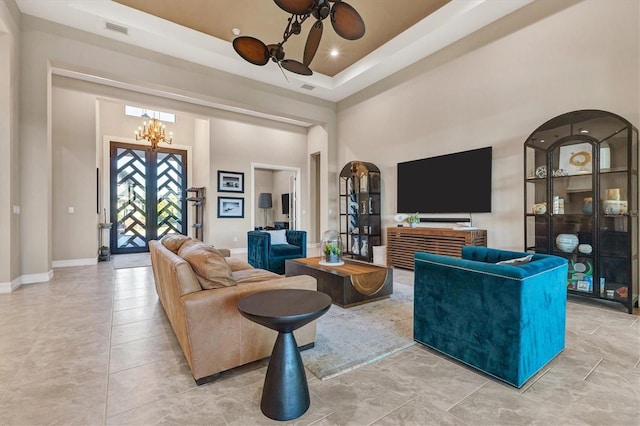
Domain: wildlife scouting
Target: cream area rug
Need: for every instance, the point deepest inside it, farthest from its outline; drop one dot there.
(134, 260)
(352, 337)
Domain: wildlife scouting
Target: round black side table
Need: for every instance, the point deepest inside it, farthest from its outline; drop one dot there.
(285, 395)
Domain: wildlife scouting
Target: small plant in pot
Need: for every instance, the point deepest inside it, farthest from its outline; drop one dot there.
(413, 220)
(332, 252)
(104, 250)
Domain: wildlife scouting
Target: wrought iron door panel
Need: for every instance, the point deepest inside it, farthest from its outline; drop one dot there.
(170, 184)
(131, 198)
(148, 195)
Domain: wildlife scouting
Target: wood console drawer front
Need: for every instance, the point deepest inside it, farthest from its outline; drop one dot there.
(403, 243)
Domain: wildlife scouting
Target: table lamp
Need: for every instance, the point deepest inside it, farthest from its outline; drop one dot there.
(265, 202)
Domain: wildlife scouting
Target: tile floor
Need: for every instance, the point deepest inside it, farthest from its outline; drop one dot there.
(93, 347)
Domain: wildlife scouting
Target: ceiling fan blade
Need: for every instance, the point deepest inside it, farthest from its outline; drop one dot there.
(283, 73)
(251, 49)
(297, 7)
(296, 67)
(346, 21)
(313, 41)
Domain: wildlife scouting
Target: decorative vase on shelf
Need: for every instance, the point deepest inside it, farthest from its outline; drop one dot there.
(567, 242)
(587, 205)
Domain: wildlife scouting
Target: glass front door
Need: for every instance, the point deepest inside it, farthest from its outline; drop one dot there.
(147, 195)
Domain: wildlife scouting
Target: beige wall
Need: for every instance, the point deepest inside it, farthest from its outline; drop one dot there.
(239, 142)
(84, 124)
(9, 122)
(48, 48)
(494, 88)
(491, 88)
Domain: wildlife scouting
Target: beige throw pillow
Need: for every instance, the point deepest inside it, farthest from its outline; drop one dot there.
(173, 242)
(209, 265)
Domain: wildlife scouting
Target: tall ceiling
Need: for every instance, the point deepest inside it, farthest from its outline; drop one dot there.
(398, 33)
(266, 21)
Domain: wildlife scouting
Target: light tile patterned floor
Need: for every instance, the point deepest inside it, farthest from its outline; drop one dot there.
(94, 347)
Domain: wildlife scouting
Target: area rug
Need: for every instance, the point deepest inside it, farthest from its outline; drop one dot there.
(352, 337)
(134, 260)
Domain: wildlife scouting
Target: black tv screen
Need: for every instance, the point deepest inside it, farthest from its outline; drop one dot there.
(452, 183)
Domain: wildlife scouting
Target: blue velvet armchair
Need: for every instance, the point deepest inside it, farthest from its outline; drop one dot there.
(287, 244)
(505, 320)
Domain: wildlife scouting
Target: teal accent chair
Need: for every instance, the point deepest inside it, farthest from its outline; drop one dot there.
(264, 255)
(507, 321)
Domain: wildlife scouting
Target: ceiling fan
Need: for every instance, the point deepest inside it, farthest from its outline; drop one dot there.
(346, 22)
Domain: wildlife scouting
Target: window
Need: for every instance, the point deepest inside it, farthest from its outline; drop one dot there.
(140, 112)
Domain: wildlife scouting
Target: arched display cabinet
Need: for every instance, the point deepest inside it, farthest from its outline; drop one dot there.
(581, 201)
(360, 227)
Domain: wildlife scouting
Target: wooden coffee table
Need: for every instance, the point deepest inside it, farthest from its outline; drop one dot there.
(350, 284)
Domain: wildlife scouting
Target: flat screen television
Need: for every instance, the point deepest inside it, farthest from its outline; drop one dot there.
(452, 183)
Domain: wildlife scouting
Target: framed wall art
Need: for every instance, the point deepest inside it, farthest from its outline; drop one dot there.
(576, 159)
(230, 181)
(230, 207)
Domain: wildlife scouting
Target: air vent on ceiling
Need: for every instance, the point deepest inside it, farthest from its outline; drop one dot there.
(308, 86)
(117, 28)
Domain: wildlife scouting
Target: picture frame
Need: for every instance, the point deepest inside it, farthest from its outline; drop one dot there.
(230, 181)
(583, 286)
(576, 159)
(230, 207)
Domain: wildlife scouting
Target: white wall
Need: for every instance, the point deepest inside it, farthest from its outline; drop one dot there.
(9, 122)
(494, 88)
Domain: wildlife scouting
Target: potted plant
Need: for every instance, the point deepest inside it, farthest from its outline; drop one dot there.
(413, 220)
(104, 250)
(332, 252)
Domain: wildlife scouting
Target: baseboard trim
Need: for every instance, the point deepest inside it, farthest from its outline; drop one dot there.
(10, 286)
(37, 278)
(74, 262)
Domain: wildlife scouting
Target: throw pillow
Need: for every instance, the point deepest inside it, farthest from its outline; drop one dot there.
(278, 237)
(209, 265)
(173, 242)
(517, 261)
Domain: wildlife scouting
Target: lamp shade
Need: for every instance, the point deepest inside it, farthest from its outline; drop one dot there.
(264, 200)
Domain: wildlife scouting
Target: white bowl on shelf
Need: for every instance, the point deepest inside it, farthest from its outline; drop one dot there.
(567, 242)
(615, 206)
(585, 248)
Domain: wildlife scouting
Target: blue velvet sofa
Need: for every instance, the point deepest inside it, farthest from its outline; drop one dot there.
(263, 254)
(507, 321)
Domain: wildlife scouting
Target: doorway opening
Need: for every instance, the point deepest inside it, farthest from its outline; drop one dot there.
(314, 198)
(282, 183)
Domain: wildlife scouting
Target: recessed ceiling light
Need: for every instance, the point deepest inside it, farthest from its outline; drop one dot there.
(583, 131)
(236, 31)
(334, 53)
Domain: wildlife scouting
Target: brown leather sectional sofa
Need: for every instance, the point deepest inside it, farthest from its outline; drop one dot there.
(199, 290)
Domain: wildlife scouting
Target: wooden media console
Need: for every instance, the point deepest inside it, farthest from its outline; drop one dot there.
(404, 242)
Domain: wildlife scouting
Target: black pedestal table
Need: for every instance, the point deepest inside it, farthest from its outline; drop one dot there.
(285, 395)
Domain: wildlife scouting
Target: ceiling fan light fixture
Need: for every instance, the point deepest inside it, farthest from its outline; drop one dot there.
(346, 22)
(251, 49)
(296, 7)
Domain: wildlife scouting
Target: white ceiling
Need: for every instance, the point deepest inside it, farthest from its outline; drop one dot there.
(450, 23)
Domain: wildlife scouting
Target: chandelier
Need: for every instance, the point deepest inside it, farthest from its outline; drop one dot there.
(346, 22)
(154, 132)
